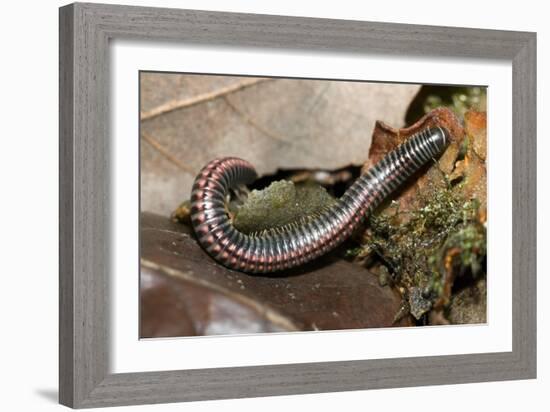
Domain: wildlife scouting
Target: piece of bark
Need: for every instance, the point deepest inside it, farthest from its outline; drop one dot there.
(475, 171)
(185, 292)
(274, 124)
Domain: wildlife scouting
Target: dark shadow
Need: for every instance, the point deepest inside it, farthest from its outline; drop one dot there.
(51, 395)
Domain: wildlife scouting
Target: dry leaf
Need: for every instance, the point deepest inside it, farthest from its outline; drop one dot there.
(386, 138)
(187, 120)
(185, 292)
(475, 173)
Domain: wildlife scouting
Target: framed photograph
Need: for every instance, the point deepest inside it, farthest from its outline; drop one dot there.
(256, 205)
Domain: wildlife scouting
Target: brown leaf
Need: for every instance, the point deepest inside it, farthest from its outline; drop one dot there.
(274, 123)
(475, 172)
(476, 129)
(185, 292)
(386, 138)
(472, 170)
(171, 306)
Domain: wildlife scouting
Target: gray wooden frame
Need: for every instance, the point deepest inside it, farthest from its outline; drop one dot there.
(85, 31)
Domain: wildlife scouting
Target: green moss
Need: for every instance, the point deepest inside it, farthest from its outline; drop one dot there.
(470, 240)
(415, 247)
(279, 204)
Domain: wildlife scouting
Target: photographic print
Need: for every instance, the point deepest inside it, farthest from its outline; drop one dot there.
(289, 204)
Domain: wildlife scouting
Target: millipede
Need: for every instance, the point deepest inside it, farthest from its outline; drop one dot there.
(294, 244)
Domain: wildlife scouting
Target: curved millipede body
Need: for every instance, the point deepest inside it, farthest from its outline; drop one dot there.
(295, 244)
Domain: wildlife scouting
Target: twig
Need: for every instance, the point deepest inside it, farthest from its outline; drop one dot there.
(163, 151)
(201, 98)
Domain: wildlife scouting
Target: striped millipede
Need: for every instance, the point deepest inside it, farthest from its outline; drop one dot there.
(295, 244)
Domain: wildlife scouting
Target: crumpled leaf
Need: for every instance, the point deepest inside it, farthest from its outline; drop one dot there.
(386, 138)
(187, 120)
(472, 169)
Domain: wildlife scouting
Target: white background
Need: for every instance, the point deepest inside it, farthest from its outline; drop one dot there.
(28, 169)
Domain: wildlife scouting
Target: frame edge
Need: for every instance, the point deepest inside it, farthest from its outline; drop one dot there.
(66, 215)
(84, 192)
(524, 227)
